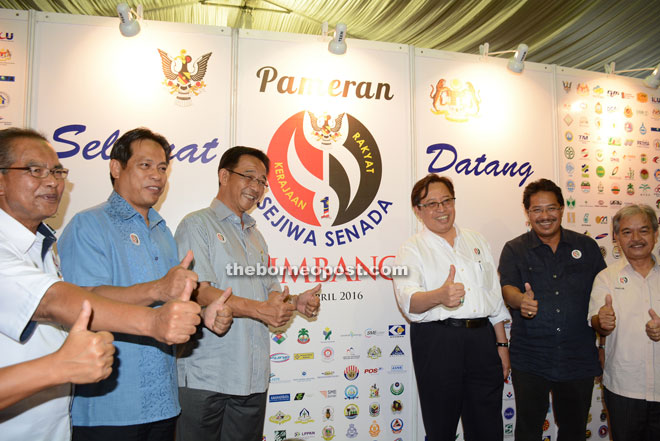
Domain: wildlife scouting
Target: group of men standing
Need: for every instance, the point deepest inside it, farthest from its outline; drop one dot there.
(137, 281)
(557, 283)
(123, 271)
(559, 292)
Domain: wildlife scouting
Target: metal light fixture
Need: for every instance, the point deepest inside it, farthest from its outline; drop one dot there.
(652, 81)
(337, 45)
(129, 25)
(516, 63)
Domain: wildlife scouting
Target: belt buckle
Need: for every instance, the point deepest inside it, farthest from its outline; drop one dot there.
(471, 323)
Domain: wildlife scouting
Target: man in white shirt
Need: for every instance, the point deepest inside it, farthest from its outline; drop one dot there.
(452, 297)
(624, 303)
(34, 299)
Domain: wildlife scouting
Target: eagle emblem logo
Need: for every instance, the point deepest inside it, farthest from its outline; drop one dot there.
(184, 78)
(325, 133)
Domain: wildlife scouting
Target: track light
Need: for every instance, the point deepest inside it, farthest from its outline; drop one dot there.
(516, 63)
(337, 45)
(129, 25)
(652, 81)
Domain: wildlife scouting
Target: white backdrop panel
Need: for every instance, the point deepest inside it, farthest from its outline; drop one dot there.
(337, 129)
(13, 67)
(91, 85)
(491, 132)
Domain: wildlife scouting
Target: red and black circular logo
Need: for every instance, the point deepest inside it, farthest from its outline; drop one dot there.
(325, 170)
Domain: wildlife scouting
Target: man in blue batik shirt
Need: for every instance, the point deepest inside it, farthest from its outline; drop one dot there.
(122, 249)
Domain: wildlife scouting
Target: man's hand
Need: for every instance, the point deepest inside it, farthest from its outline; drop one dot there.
(503, 351)
(218, 315)
(528, 306)
(276, 311)
(170, 286)
(606, 316)
(653, 326)
(176, 320)
(451, 294)
(309, 302)
(85, 356)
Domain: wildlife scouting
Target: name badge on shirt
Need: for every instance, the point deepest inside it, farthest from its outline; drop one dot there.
(576, 254)
(135, 239)
(221, 237)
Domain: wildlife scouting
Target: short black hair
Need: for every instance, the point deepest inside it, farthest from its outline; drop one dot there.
(122, 150)
(421, 188)
(541, 185)
(231, 157)
(7, 144)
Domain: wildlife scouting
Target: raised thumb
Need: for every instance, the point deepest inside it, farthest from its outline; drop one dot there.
(82, 322)
(187, 290)
(528, 291)
(653, 315)
(187, 260)
(608, 300)
(452, 273)
(223, 298)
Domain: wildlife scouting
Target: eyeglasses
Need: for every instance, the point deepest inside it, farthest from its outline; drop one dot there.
(251, 179)
(42, 172)
(446, 203)
(539, 210)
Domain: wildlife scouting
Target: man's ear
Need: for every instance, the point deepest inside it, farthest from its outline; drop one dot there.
(2, 184)
(115, 168)
(223, 176)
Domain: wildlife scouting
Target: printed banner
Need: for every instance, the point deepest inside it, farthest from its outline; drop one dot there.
(13, 67)
(609, 139)
(491, 132)
(91, 85)
(337, 131)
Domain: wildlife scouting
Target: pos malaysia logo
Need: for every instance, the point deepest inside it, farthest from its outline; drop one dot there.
(325, 172)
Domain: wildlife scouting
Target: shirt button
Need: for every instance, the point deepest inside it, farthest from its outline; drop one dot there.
(557, 309)
(554, 276)
(156, 257)
(558, 329)
(556, 293)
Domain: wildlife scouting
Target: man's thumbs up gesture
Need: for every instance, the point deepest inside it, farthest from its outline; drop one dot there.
(451, 294)
(653, 326)
(606, 315)
(528, 306)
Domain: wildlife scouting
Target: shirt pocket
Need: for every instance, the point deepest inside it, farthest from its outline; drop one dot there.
(487, 274)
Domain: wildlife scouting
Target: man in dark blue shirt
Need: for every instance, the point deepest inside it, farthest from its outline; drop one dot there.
(546, 276)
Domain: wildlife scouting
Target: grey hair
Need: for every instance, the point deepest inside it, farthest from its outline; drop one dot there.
(7, 144)
(632, 210)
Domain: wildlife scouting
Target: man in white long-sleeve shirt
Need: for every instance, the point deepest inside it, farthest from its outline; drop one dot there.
(452, 297)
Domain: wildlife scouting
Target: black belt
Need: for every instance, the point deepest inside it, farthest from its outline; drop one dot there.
(464, 323)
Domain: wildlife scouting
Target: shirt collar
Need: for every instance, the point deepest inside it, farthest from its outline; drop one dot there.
(433, 236)
(16, 233)
(123, 210)
(535, 241)
(223, 212)
(626, 265)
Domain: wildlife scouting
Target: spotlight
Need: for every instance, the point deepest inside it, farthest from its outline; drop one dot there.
(129, 25)
(652, 81)
(337, 45)
(516, 63)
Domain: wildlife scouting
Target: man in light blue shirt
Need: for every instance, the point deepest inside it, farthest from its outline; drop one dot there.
(123, 249)
(224, 378)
